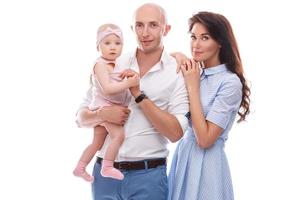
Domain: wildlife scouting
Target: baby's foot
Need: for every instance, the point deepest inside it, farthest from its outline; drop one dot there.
(83, 174)
(112, 172)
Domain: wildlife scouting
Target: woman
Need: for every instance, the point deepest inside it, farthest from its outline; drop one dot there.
(217, 93)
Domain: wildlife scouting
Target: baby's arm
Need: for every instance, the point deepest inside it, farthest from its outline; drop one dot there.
(109, 87)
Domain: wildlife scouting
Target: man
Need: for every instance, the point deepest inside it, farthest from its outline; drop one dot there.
(155, 115)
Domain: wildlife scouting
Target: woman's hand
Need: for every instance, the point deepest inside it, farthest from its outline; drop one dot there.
(181, 59)
(191, 72)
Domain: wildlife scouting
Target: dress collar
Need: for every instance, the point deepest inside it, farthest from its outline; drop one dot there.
(214, 70)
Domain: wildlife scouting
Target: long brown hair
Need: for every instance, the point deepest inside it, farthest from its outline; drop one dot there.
(220, 30)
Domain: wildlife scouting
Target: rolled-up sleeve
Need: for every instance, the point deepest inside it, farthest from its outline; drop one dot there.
(226, 102)
(179, 103)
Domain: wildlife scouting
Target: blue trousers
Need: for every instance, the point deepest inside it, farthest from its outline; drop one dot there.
(144, 184)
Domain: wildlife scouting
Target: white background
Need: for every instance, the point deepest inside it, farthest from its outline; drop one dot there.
(47, 49)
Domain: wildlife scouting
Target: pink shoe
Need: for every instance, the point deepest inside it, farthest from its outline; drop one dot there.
(108, 170)
(84, 175)
(79, 171)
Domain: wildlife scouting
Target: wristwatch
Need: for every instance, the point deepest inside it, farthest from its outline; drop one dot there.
(141, 97)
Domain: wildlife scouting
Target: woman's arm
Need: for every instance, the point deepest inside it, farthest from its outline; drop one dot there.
(205, 131)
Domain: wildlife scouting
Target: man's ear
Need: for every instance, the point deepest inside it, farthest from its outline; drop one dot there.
(167, 29)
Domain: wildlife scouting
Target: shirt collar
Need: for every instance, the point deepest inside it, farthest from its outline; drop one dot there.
(164, 60)
(214, 70)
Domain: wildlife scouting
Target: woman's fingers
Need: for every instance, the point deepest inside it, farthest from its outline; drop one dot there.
(195, 65)
(188, 65)
(183, 69)
(178, 68)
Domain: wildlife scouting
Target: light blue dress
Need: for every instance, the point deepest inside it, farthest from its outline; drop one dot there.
(203, 174)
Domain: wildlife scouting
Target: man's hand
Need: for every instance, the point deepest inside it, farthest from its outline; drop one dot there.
(114, 114)
(135, 90)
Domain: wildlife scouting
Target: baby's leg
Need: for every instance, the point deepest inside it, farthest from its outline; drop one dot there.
(117, 135)
(88, 154)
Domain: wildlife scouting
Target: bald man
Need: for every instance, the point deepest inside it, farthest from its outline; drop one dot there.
(155, 116)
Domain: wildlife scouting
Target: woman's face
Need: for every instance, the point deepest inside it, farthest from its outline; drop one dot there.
(203, 46)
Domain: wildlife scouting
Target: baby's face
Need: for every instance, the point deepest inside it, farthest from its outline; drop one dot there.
(111, 47)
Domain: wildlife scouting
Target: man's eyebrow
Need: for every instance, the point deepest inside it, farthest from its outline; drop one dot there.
(151, 22)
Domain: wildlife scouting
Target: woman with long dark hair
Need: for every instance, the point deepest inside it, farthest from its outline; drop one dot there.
(218, 91)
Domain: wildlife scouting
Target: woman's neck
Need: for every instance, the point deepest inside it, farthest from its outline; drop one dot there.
(211, 63)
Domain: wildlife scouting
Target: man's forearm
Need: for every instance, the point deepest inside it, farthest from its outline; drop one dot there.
(163, 122)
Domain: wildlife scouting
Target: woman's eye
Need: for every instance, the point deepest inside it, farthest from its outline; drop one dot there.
(205, 38)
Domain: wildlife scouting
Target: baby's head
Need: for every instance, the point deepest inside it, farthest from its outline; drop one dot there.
(109, 41)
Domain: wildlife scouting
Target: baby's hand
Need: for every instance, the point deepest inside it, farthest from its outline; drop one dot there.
(127, 73)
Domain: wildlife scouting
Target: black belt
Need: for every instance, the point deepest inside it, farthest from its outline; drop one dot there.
(136, 165)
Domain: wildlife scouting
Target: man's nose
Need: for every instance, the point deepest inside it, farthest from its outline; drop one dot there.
(145, 31)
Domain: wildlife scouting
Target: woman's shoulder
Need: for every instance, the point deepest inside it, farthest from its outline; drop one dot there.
(232, 79)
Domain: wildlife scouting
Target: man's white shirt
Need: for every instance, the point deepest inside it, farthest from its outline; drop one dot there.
(167, 90)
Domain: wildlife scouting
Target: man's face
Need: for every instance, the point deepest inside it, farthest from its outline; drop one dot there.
(149, 26)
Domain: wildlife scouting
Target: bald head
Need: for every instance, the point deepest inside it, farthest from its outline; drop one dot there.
(150, 26)
(151, 9)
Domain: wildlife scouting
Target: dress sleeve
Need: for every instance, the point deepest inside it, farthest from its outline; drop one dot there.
(226, 102)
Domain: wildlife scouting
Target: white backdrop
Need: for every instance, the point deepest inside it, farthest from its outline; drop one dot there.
(47, 49)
